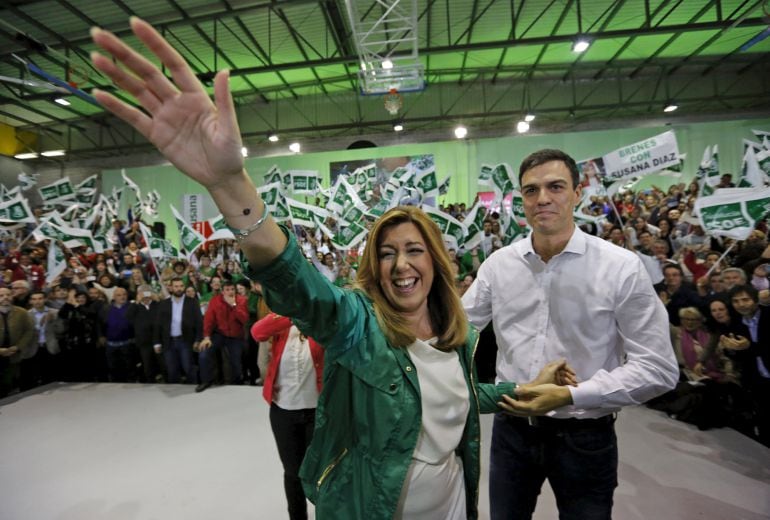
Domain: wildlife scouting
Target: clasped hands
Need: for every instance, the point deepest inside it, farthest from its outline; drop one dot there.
(544, 393)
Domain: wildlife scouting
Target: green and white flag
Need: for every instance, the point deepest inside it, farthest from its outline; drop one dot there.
(426, 183)
(513, 231)
(453, 231)
(189, 239)
(517, 206)
(304, 182)
(57, 192)
(72, 237)
(349, 236)
(87, 186)
(161, 250)
(708, 171)
(474, 221)
(27, 181)
(56, 262)
(304, 214)
(273, 175)
(280, 212)
(443, 186)
(219, 229)
(16, 211)
(131, 184)
(751, 171)
(270, 193)
(733, 212)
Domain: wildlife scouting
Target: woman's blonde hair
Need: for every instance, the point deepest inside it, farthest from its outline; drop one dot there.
(444, 307)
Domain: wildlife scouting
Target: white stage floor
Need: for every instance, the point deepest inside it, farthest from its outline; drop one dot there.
(147, 452)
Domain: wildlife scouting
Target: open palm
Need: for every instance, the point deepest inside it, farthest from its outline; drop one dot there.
(198, 136)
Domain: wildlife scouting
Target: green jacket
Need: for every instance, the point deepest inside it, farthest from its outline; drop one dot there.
(368, 417)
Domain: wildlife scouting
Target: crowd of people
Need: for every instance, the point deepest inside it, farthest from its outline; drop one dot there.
(96, 320)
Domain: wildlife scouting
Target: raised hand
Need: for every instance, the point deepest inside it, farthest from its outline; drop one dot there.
(199, 137)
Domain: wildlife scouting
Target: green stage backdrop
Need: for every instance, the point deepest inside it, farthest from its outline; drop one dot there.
(463, 159)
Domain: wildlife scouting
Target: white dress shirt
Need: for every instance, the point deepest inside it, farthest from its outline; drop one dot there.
(592, 304)
(295, 386)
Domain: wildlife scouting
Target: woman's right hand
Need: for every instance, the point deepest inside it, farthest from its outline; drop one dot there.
(199, 137)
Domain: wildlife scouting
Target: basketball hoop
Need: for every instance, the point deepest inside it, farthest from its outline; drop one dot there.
(393, 102)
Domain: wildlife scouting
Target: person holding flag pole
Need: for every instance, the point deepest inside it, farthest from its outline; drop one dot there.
(396, 434)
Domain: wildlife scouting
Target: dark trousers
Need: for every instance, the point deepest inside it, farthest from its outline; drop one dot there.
(250, 367)
(121, 363)
(293, 431)
(178, 356)
(579, 459)
(38, 370)
(151, 362)
(231, 349)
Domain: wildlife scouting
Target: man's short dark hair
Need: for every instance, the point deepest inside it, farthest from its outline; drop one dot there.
(745, 288)
(228, 283)
(176, 279)
(548, 155)
(37, 292)
(673, 266)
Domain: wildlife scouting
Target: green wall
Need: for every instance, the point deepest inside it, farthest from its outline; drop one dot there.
(462, 159)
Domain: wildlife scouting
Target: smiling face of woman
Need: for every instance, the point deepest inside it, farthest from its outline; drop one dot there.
(405, 268)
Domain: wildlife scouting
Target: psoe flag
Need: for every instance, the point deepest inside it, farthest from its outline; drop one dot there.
(642, 158)
(733, 212)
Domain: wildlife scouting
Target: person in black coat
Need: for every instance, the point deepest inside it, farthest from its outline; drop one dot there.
(143, 316)
(179, 330)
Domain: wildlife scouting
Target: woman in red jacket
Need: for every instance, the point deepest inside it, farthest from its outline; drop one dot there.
(292, 385)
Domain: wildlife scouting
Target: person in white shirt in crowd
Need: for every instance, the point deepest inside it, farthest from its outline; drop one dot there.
(563, 293)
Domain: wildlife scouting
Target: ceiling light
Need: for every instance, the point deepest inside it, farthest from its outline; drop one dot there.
(29, 155)
(272, 137)
(580, 45)
(522, 127)
(295, 147)
(244, 151)
(529, 117)
(53, 153)
(387, 64)
(670, 107)
(63, 102)
(461, 132)
(398, 127)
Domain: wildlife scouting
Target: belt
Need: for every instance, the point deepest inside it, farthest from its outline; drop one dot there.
(119, 343)
(177, 337)
(551, 423)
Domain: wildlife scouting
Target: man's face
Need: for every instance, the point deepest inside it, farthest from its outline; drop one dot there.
(616, 236)
(205, 261)
(673, 278)
(228, 291)
(716, 283)
(549, 198)
(177, 288)
(60, 293)
(120, 296)
(645, 239)
(487, 228)
(711, 259)
(730, 279)
(674, 215)
(128, 260)
(94, 293)
(5, 297)
(744, 304)
(18, 290)
(37, 301)
(659, 249)
(24, 260)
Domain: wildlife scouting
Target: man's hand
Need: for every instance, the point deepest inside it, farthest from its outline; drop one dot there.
(733, 342)
(158, 348)
(556, 372)
(536, 400)
(8, 352)
(204, 344)
(229, 299)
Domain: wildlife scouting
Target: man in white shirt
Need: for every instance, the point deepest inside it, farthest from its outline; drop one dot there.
(561, 293)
